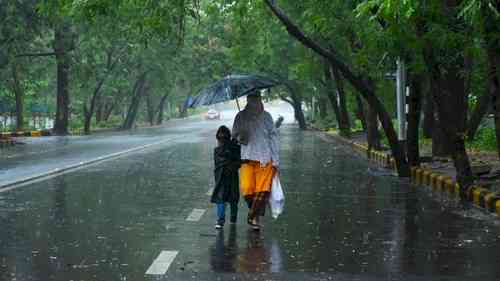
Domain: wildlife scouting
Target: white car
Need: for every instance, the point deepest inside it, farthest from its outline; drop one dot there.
(212, 114)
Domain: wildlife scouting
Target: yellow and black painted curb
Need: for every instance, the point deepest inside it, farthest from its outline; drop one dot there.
(39, 133)
(379, 157)
(479, 196)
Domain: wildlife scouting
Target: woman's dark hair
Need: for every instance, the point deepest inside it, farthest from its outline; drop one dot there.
(223, 134)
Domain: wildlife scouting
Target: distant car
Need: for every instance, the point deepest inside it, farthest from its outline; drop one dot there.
(212, 114)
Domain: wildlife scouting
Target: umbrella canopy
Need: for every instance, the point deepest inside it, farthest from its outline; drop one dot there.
(231, 87)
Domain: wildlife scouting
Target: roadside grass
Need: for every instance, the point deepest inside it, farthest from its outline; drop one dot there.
(485, 140)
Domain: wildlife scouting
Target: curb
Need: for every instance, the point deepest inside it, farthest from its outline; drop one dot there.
(39, 133)
(379, 157)
(479, 196)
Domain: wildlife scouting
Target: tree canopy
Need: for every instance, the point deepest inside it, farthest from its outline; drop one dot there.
(107, 63)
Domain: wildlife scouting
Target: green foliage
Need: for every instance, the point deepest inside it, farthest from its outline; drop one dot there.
(185, 45)
(112, 123)
(485, 140)
(325, 124)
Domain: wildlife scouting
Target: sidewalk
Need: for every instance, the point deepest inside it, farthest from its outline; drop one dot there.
(439, 174)
(480, 161)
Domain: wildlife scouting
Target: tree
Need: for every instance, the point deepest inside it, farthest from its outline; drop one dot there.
(484, 16)
(439, 38)
(18, 28)
(362, 85)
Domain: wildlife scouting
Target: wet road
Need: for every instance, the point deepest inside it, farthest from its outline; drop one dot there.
(149, 211)
(42, 155)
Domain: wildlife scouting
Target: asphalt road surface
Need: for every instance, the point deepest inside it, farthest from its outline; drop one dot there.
(145, 215)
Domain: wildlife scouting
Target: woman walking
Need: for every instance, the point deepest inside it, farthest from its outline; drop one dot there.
(254, 128)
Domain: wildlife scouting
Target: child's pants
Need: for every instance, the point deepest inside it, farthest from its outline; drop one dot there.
(221, 212)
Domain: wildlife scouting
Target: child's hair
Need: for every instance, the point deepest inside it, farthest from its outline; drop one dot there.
(223, 134)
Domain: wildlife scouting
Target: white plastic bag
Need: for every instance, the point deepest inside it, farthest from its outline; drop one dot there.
(277, 198)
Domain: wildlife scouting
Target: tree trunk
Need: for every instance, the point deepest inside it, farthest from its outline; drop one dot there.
(89, 112)
(360, 112)
(442, 144)
(456, 103)
(323, 112)
(87, 119)
(150, 109)
(182, 111)
(345, 128)
(161, 109)
(492, 29)
(449, 91)
(296, 103)
(62, 40)
(110, 106)
(332, 95)
(366, 90)
(429, 116)
(299, 115)
(372, 134)
(494, 61)
(108, 109)
(99, 111)
(19, 93)
(138, 92)
(450, 98)
(415, 104)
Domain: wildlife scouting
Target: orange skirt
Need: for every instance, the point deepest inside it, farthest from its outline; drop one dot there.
(254, 178)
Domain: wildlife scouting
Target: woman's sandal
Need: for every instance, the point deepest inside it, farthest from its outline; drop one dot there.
(254, 226)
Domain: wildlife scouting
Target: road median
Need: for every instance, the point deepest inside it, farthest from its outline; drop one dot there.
(37, 133)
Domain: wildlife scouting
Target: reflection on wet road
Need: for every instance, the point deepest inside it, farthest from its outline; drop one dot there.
(43, 155)
(111, 221)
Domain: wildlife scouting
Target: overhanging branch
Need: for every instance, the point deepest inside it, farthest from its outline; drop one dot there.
(48, 54)
(44, 54)
(294, 30)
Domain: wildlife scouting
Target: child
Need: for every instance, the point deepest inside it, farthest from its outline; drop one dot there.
(227, 162)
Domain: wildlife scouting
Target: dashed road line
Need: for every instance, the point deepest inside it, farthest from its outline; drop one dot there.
(195, 215)
(161, 264)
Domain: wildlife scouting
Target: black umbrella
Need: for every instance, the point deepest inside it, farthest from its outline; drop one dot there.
(231, 87)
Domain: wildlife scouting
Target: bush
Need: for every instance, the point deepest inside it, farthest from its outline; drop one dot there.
(75, 124)
(326, 123)
(114, 121)
(358, 126)
(485, 140)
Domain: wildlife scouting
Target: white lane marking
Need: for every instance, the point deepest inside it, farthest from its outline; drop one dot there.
(209, 192)
(196, 215)
(161, 264)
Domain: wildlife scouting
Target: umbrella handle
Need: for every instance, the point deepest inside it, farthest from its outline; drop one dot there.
(238, 104)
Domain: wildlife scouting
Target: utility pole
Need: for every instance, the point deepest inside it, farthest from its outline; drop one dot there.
(313, 111)
(401, 92)
(401, 99)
